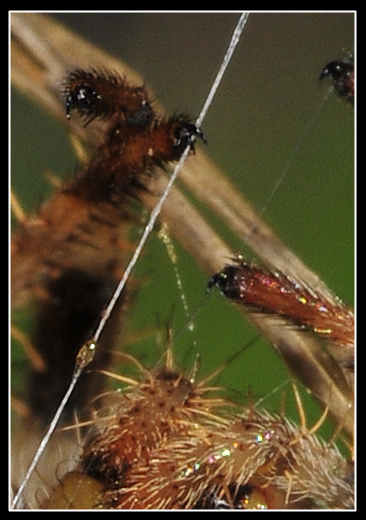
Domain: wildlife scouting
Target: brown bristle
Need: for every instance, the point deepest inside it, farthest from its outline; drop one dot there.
(129, 153)
(96, 94)
(67, 233)
(164, 440)
(164, 445)
(141, 420)
(264, 455)
(84, 228)
(64, 233)
(275, 294)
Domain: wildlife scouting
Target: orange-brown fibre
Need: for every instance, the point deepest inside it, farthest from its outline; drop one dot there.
(165, 444)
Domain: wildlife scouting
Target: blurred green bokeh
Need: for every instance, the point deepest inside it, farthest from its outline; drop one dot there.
(258, 118)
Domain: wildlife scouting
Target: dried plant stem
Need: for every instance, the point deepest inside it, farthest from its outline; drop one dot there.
(42, 52)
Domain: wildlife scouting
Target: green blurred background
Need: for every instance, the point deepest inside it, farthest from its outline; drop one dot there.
(257, 120)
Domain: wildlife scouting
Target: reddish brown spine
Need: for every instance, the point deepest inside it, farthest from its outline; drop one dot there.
(271, 293)
(80, 237)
